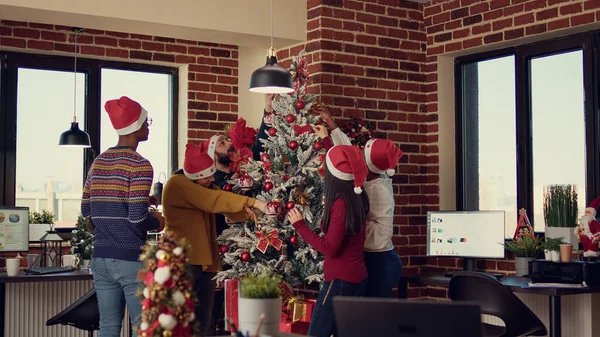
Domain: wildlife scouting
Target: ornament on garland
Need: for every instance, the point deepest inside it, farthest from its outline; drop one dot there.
(227, 188)
(272, 209)
(301, 198)
(268, 119)
(272, 132)
(293, 145)
(245, 182)
(266, 239)
(300, 105)
(318, 146)
(290, 118)
(294, 239)
(265, 157)
(166, 293)
(290, 205)
(224, 249)
(245, 256)
(268, 186)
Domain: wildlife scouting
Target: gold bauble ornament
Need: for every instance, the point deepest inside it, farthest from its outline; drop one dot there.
(167, 333)
(188, 295)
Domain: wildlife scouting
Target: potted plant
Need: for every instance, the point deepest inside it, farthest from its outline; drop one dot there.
(526, 248)
(43, 218)
(260, 295)
(552, 248)
(560, 212)
(82, 242)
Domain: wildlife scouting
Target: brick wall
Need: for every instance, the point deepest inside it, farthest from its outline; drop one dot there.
(373, 53)
(213, 68)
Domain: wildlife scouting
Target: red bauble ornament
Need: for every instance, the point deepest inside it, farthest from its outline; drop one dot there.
(272, 132)
(293, 145)
(245, 182)
(294, 239)
(290, 118)
(265, 157)
(227, 188)
(318, 146)
(300, 105)
(224, 249)
(245, 257)
(272, 209)
(290, 205)
(268, 186)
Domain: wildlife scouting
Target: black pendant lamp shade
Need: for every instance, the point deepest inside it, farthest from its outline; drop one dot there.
(271, 78)
(75, 137)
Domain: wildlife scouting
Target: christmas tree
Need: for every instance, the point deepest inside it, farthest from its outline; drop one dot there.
(288, 175)
(166, 293)
(82, 242)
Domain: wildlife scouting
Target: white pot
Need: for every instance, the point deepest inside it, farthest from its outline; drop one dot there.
(568, 233)
(548, 255)
(249, 311)
(555, 255)
(522, 265)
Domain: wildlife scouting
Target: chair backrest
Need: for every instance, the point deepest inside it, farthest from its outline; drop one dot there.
(82, 314)
(495, 299)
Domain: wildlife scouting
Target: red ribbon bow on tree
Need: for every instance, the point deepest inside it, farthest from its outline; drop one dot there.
(302, 129)
(265, 239)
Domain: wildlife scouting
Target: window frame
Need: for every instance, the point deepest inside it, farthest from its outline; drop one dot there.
(10, 62)
(587, 42)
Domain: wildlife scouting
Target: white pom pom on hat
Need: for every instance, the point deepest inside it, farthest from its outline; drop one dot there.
(358, 190)
(390, 172)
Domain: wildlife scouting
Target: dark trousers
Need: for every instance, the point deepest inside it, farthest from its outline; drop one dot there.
(322, 323)
(204, 287)
(384, 270)
(216, 321)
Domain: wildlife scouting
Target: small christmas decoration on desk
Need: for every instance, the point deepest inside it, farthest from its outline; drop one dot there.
(588, 230)
(166, 294)
(82, 242)
(523, 226)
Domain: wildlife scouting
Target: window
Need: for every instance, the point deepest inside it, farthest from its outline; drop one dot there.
(36, 102)
(527, 118)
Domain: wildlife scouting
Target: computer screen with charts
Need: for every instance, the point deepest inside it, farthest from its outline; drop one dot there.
(473, 234)
(14, 229)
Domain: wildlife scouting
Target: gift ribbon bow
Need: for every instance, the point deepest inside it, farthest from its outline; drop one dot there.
(295, 299)
(302, 129)
(268, 238)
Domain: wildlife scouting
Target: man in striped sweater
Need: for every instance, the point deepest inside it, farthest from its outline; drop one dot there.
(115, 200)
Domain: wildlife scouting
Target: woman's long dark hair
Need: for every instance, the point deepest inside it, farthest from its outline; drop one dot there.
(357, 205)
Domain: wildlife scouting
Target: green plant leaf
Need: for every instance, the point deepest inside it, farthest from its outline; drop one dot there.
(265, 285)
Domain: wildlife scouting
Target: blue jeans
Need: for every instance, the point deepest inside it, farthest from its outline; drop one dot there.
(116, 284)
(384, 270)
(322, 323)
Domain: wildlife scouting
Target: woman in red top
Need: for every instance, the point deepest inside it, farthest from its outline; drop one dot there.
(346, 208)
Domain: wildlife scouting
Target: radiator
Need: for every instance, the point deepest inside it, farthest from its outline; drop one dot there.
(29, 305)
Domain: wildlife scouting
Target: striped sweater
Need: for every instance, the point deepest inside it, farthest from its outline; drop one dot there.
(115, 197)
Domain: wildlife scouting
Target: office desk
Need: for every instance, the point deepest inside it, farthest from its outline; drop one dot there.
(515, 284)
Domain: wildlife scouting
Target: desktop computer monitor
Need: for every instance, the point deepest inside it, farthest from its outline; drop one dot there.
(469, 234)
(14, 229)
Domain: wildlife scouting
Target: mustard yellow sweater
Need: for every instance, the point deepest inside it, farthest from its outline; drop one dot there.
(189, 210)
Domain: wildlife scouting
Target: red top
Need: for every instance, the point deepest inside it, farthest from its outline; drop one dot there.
(344, 258)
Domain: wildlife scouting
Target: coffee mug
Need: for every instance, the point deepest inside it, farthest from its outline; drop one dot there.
(12, 266)
(70, 261)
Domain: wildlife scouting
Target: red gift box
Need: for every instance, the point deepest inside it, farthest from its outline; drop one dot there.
(231, 302)
(293, 327)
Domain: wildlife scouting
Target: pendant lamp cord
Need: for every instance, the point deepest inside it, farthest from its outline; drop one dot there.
(272, 24)
(75, 73)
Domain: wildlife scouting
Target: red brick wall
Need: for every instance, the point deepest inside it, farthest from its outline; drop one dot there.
(373, 52)
(213, 68)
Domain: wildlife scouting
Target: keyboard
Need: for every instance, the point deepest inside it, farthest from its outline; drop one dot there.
(48, 270)
(496, 276)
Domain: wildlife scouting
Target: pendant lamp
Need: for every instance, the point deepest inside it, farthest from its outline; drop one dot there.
(271, 78)
(75, 137)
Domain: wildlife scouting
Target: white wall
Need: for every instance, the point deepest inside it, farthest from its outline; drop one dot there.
(250, 104)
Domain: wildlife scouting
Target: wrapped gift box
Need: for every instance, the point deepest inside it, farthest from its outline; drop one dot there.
(231, 302)
(302, 311)
(293, 327)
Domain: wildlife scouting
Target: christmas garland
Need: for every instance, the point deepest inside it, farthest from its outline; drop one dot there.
(359, 131)
(167, 297)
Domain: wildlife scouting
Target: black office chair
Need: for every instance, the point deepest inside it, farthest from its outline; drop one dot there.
(82, 314)
(497, 300)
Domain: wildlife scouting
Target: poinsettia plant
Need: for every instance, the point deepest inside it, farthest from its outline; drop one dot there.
(239, 158)
(241, 135)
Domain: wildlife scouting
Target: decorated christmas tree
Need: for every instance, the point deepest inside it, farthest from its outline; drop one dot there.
(288, 175)
(82, 242)
(166, 294)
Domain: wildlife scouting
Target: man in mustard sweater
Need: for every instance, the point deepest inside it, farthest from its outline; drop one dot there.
(190, 201)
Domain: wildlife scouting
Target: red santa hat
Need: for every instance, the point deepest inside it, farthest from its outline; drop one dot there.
(211, 144)
(126, 115)
(346, 162)
(593, 206)
(198, 163)
(382, 156)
